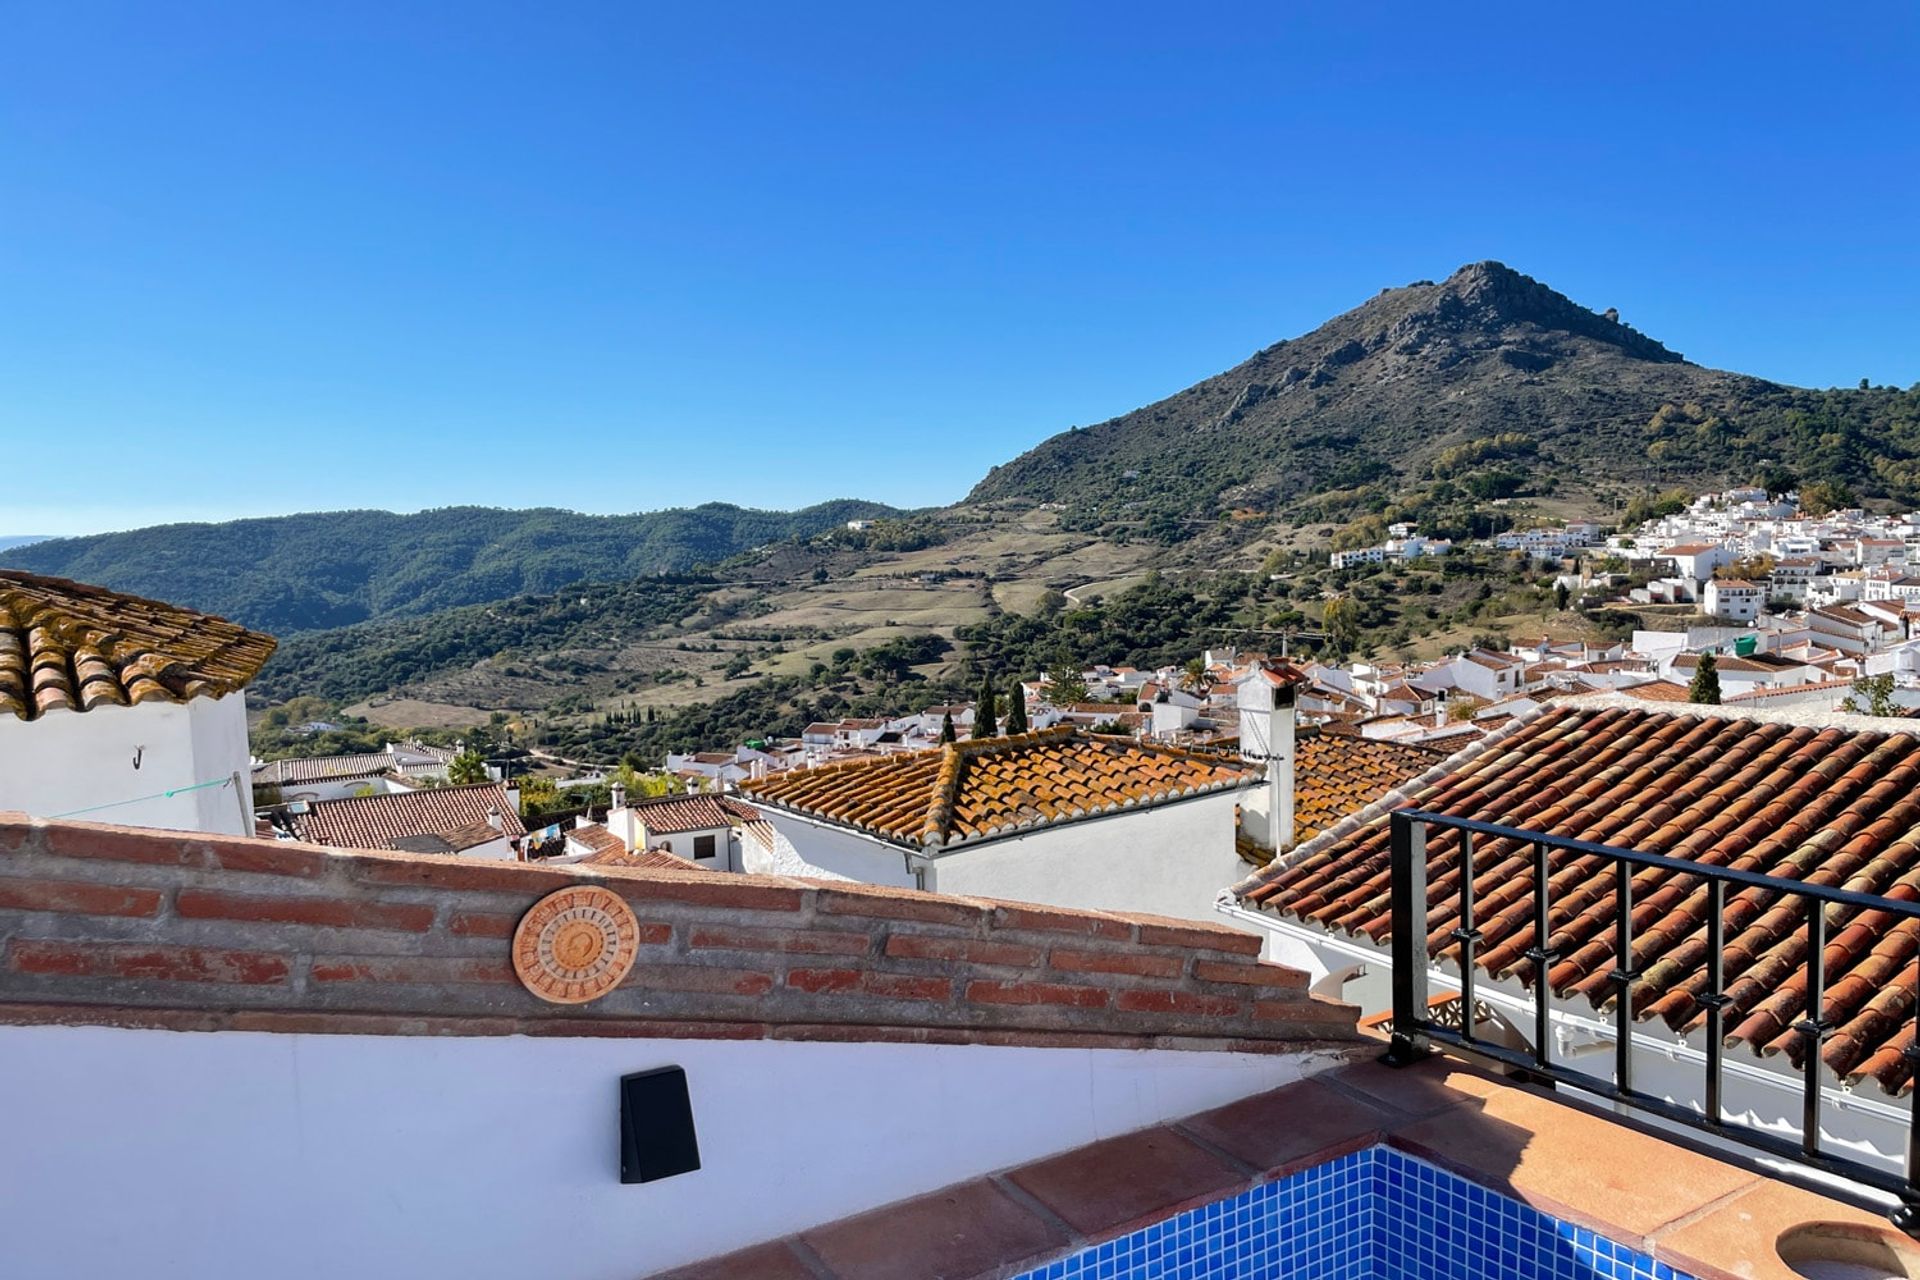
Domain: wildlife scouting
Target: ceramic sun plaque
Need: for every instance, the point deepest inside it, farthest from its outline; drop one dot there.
(575, 944)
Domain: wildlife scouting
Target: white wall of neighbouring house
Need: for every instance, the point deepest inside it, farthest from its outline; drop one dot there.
(1168, 860)
(209, 1155)
(840, 853)
(67, 761)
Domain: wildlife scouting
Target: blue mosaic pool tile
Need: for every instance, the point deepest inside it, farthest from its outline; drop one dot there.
(1378, 1214)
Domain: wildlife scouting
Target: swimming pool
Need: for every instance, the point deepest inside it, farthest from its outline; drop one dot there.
(1378, 1214)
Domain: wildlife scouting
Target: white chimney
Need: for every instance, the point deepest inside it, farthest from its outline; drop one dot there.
(619, 797)
(495, 821)
(1266, 698)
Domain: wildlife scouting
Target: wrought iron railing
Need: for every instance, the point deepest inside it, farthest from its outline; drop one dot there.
(1414, 1026)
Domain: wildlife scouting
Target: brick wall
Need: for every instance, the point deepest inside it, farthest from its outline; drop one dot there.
(147, 928)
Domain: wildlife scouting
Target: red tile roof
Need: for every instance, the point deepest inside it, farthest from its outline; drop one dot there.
(376, 822)
(979, 789)
(674, 814)
(1337, 775)
(66, 646)
(1835, 806)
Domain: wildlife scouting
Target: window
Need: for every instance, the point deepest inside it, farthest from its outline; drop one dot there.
(703, 846)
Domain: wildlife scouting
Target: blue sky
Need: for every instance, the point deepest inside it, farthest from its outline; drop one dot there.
(261, 258)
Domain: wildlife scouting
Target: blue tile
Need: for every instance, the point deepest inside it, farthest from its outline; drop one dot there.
(1376, 1214)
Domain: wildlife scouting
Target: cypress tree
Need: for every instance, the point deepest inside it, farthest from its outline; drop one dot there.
(1705, 687)
(947, 733)
(1016, 710)
(984, 724)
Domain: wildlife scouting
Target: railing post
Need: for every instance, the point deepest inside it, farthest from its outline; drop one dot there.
(1542, 956)
(1467, 936)
(1814, 1029)
(1409, 901)
(1715, 998)
(1623, 975)
(1907, 1215)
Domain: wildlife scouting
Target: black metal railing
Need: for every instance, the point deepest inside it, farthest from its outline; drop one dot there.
(1414, 1027)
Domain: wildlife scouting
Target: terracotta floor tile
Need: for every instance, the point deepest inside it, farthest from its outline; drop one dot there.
(1123, 1182)
(1737, 1239)
(761, 1262)
(953, 1234)
(1419, 1090)
(1273, 1131)
(1572, 1164)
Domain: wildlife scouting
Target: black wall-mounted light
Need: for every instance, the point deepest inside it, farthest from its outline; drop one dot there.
(656, 1126)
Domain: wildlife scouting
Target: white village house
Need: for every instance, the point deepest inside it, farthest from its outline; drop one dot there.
(123, 709)
(1058, 816)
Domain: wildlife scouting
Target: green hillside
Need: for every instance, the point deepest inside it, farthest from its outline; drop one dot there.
(1431, 400)
(287, 574)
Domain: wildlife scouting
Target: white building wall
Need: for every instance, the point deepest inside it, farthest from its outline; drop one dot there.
(315, 1157)
(1171, 861)
(840, 854)
(69, 761)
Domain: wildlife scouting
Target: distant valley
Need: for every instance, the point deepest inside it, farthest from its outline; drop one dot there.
(1464, 406)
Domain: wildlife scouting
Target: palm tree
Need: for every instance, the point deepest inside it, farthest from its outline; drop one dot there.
(468, 766)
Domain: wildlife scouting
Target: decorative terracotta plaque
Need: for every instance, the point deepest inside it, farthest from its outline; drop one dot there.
(575, 944)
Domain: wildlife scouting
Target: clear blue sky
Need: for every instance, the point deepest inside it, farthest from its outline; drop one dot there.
(259, 258)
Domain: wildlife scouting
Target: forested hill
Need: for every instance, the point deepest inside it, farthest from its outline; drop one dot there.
(1486, 384)
(285, 574)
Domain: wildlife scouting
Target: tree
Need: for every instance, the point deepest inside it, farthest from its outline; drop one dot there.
(1822, 496)
(1194, 674)
(947, 731)
(1065, 687)
(1560, 596)
(1016, 709)
(1705, 687)
(1341, 619)
(1872, 696)
(984, 723)
(468, 766)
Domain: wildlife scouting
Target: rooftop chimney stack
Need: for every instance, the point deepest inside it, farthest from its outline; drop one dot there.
(619, 798)
(1267, 697)
(495, 821)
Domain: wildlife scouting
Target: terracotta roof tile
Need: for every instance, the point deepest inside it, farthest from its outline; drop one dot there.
(997, 786)
(376, 822)
(673, 814)
(1337, 775)
(66, 646)
(1835, 806)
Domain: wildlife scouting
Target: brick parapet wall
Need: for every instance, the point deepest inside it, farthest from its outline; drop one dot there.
(122, 926)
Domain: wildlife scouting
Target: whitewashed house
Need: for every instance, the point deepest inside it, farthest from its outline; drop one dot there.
(122, 709)
(1057, 817)
(1734, 599)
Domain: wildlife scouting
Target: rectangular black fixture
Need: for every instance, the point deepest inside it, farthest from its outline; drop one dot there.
(656, 1126)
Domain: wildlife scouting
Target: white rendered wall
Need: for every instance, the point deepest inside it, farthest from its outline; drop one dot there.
(839, 853)
(76, 760)
(203, 1156)
(1169, 861)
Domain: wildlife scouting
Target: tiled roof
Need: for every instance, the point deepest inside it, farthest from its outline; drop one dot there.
(982, 788)
(674, 814)
(468, 835)
(66, 646)
(1337, 775)
(646, 859)
(323, 768)
(376, 822)
(597, 839)
(1657, 691)
(1835, 806)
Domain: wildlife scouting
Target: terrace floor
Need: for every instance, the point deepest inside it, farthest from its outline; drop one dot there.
(1698, 1213)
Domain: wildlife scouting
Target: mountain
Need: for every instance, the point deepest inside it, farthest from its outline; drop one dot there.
(1489, 380)
(286, 574)
(20, 539)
